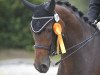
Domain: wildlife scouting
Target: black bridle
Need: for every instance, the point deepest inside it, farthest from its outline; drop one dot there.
(51, 47)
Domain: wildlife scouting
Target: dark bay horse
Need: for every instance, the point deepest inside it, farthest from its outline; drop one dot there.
(82, 41)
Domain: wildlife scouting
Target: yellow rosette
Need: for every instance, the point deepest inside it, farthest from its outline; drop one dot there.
(60, 44)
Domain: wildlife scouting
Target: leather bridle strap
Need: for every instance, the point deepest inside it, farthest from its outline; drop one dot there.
(38, 46)
(41, 47)
(82, 45)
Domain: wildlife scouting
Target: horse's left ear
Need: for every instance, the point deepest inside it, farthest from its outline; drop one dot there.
(51, 6)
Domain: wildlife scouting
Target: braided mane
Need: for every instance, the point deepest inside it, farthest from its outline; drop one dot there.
(81, 14)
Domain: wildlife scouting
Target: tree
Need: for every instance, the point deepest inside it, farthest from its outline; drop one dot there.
(14, 25)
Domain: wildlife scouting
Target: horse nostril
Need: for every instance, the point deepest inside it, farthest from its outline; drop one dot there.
(44, 66)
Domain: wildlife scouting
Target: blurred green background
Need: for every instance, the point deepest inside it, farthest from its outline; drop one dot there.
(15, 23)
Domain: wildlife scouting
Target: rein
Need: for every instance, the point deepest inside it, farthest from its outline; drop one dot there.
(83, 43)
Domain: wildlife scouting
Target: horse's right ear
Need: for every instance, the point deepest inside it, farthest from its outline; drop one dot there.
(29, 5)
(51, 6)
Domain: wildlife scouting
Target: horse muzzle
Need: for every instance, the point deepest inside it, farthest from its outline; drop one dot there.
(43, 66)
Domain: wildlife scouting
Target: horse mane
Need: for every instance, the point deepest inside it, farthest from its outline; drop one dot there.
(81, 14)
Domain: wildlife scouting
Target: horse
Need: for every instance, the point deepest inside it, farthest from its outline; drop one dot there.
(81, 38)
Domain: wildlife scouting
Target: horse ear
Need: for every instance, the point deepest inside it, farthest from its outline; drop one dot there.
(51, 6)
(29, 5)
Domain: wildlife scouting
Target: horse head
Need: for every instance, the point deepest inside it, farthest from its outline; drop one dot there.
(41, 24)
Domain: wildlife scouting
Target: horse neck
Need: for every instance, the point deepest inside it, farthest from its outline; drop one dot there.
(75, 29)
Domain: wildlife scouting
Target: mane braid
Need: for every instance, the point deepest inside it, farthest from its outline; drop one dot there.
(59, 3)
(85, 19)
(74, 8)
(67, 4)
(71, 6)
(81, 14)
